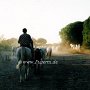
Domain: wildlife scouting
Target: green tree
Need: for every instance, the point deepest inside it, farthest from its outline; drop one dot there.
(41, 41)
(34, 41)
(72, 33)
(6, 44)
(12, 42)
(86, 33)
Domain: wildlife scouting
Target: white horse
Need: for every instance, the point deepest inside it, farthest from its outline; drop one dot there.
(75, 46)
(72, 46)
(49, 52)
(24, 57)
(43, 53)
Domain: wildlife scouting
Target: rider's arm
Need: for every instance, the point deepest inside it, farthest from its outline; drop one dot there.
(31, 41)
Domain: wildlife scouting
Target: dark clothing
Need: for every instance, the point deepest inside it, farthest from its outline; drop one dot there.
(25, 40)
(38, 55)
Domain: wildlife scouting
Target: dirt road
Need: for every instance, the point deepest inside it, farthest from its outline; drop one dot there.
(72, 72)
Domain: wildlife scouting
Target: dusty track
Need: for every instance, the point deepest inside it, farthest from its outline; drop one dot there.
(71, 73)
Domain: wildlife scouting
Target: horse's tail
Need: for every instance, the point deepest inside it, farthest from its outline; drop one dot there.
(22, 57)
(23, 53)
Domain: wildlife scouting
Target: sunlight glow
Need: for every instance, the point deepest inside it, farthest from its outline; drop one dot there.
(42, 18)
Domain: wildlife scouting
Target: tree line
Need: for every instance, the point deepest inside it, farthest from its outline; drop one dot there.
(77, 33)
(7, 44)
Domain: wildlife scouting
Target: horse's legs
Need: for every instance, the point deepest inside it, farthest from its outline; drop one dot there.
(20, 72)
(37, 67)
(26, 71)
(50, 56)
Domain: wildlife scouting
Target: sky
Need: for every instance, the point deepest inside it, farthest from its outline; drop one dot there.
(42, 18)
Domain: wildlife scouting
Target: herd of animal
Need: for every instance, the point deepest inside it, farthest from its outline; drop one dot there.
(24, 58)
(75, 46)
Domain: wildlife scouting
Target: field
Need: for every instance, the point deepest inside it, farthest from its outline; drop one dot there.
(71, 72)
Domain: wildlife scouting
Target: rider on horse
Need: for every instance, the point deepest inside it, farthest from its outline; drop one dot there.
(25, 40)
